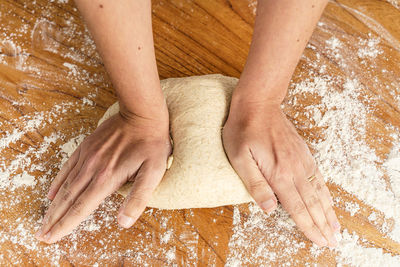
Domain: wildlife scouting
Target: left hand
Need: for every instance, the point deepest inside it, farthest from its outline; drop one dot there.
(268, 154)
(122, 148)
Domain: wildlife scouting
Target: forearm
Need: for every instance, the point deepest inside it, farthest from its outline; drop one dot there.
(123, 35)
(281, 32)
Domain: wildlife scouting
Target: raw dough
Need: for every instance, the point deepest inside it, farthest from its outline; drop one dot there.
(200, 175)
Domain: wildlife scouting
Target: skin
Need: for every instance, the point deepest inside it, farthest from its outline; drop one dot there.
(260, 142)
(133, 144)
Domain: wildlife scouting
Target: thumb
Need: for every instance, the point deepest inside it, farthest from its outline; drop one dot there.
(247, 168)
(146, 180)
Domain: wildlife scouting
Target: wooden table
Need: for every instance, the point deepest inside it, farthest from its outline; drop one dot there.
(50, 73)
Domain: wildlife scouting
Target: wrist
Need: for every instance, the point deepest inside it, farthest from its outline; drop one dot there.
(255, 98)
(150, 114)
(246, 109)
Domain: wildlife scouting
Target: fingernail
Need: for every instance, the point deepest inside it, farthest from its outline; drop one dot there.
(125, 221)
(268, 205)
(48, 194)
(38, 233)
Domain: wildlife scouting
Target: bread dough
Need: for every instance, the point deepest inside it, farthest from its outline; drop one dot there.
(200, 175)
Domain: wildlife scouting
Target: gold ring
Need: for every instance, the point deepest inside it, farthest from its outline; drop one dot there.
(312, 177)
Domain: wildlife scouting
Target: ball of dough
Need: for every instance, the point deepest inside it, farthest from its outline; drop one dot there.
(200, 175)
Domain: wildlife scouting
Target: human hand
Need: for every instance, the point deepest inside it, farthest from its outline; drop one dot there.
(268, 154)
(120, 149)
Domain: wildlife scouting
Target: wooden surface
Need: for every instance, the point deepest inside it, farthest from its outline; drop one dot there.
(191, 38)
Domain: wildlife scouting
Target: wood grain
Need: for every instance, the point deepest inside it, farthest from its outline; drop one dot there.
(49, 65)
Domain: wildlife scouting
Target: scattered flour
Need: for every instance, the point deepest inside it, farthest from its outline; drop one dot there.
(352, 253)
(24, 180)
(72, 68)
(341, 151)
(392, 165)
(343, 155)
(341, 112)
(259, 240)
(372, 217)
(352, 208)
(333, 43)
(368, 48)
(253, 6)
(166, 237)
(171, 255)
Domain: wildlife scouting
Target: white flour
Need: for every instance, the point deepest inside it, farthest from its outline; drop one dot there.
(350, 252)
(339, 116)
(392, 165)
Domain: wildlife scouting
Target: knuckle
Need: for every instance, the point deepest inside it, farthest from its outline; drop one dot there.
(66, 193)
(237, 157)
(312, 200)
(299, 208)
(91, 162)
(76, 208)
(281, 174)
(138, 199)
(255, 185)
(102, 177)
(47, 218)
(318, 186)
(141, 193)
(66, 183)
(93, 159)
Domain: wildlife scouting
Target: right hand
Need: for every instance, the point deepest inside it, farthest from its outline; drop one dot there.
(122, 148)
(269, 155)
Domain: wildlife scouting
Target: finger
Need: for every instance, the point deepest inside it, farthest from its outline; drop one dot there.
(63, 173)
(314, 207)
(146, 180)
(326, 201)
(258, 187)
(293, 203)
(75, 183)
(91, 197)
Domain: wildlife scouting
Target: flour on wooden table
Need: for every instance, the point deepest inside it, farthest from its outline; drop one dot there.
(353, 254)
(343, 155)
(368, 48)
(392, 166)
(342, 152)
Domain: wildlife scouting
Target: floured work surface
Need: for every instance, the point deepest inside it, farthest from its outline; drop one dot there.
(344, 100)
